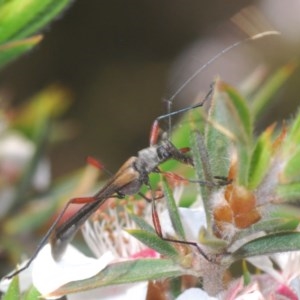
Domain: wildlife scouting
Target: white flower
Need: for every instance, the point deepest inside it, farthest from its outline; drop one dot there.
(104, 233)
(194, 294)
(48, 275)
(285, 273)
(193, 219)
(16, 151)
(136, 291)
(109, 241)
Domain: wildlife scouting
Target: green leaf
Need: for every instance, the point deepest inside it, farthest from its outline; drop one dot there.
(289, 212)
(246, 273)
(22, 18)
(293, 136)
(265, 95)
(13, 292)
(32, 294)
(48, 104)
(240, 125)
(207, 238)
(270, 226)
(260, 159)
(288, 192)
(153, 241)
(276, 224)
(181, 131)
(173, 210)
(124, 272)
(175, 287)
(239, 111)
(291, 169)
(270, 244)
(140, 222)
(201, 158)
(12, 50)
(217, 135)
(203, 172)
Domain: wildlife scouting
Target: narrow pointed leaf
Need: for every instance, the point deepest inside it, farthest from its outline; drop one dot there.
(270, 226)
(32, 294)
(217, 143)
(293, 137)
(49, 103)
(276, 224)
(140, 222)
(270, 244)
(246, 273)
(21, 18)
(173, 210)
(125, 272)
(240, 124)
(265, 95)
(260, 159)
(289, 192)
(240, 111)
(13, 292)
(12, 50)
(203, 171)
(200, 156)
(292, 170)
(153, 241)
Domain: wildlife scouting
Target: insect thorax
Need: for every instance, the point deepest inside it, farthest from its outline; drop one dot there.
(149, 158)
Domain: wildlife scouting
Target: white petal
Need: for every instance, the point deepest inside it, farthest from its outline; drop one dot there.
(192, 220)
(194, 294)
(136, 291)
(265, 264)
(48, 275)
(15, 148)
(295, 285)
(42, 176)
(282, 259)
(289, 263)
(255, 295)
(166, 223)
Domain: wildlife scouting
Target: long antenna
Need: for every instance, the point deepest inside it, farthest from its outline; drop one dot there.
(225, 50)
(170, 100)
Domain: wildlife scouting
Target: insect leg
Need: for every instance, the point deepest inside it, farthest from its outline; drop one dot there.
(45, 238)
(155, 126)
(157, 227)
(149, 200)
(220, 180)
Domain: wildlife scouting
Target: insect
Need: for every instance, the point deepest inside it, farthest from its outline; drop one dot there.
(129, 179)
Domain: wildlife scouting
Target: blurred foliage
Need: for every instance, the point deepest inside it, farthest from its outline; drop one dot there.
(20, 20)
(25, 171)
(25, 133)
